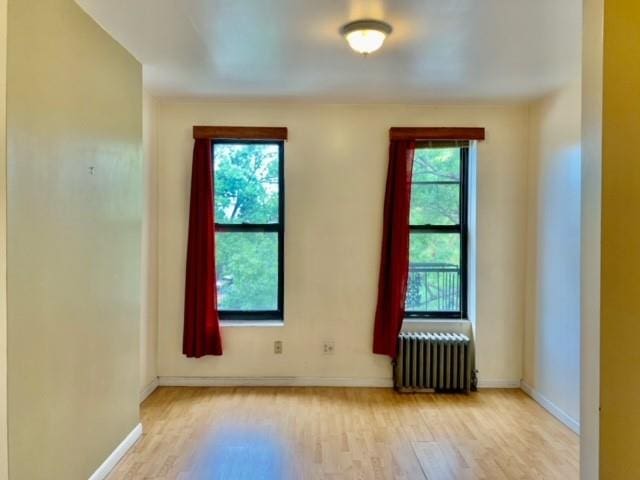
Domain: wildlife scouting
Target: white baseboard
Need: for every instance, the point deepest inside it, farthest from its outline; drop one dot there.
(498, 383)
(299, 382)
(111, 461)
(148, 389)
(274, 382)
(551, 407)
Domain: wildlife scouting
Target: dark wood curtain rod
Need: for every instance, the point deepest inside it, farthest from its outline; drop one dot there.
(239, 133)
(436, 133)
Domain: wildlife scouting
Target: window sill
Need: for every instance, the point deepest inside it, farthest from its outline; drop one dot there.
(422, 321)
(450, 325)
(251, 323)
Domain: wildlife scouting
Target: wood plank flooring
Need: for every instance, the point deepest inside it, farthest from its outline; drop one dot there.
(339, 433)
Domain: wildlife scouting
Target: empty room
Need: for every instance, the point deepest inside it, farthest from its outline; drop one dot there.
(323, 240)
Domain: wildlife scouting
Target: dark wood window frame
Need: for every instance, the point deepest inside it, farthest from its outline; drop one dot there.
(253, 136)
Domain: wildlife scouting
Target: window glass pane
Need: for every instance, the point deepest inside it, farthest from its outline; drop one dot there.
(246, 182)
(247, 270)
(436, 165)
(435, 204)
(434, 273)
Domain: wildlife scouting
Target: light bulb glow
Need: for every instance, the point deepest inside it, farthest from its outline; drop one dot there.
(366, 41)
(366, 36)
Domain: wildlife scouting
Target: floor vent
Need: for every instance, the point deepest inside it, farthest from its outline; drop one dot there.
(433, 362)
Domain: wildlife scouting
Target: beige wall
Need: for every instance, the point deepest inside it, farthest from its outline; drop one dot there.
(149, 260)
(591, 216)
(335, 176)
(74, 104)
(620, 280)
(552, 321)
(4, 472)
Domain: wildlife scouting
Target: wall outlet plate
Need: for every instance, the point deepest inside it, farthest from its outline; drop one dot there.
(277, 347)
(329, 347)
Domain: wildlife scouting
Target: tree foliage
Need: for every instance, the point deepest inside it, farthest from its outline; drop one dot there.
(247, 191)
(246, 183)
(435, 200)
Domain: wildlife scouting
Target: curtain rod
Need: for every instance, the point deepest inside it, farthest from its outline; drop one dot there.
(239, 133)
(436, 133)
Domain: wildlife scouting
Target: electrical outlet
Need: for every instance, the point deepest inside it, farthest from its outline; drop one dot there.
(329, 348)
(277, 347)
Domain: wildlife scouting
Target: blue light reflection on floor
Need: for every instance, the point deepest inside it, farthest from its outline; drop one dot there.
(240, 452)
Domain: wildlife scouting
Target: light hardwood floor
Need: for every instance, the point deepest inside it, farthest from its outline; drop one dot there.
(338, 433)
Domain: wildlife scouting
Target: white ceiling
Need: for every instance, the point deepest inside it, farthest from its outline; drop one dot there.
(440, 50)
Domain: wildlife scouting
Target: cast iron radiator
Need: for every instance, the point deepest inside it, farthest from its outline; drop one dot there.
(433, 362)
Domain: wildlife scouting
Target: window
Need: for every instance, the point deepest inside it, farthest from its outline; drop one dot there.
(249, 201)
(437, 285)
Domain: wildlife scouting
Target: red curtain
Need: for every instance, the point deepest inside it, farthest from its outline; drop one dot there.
(201, 324)
(394, 264)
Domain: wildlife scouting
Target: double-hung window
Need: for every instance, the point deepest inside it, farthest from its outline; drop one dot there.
(437, 285)
(249, 210)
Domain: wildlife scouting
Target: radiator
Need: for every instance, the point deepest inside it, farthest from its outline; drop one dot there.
(433, 362)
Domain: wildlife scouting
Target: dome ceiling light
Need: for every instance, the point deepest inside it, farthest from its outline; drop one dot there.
(366, 36)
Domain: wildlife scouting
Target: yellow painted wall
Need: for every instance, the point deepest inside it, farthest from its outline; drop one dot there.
(149, 260)
(620, 291)
(3, 242)
(590, 242)
(335, 166)
(74, 102)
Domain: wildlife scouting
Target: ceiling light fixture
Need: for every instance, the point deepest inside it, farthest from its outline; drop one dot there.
(366, 36)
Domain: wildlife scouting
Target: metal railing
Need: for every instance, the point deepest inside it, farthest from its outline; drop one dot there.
(433, 287)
